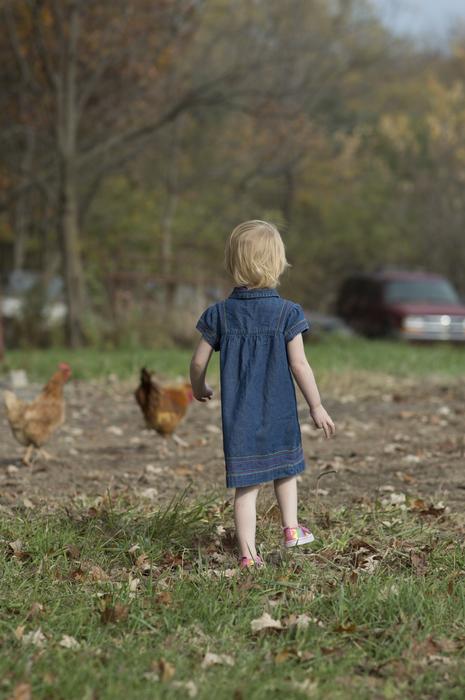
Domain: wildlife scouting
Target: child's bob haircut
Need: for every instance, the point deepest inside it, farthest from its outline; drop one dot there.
(255, 254)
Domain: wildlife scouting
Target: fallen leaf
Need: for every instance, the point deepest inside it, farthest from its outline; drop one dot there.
(151, 676)
(408, 478)
(164, 598)
(392, 448)
(394, 499)
(16, 549)
(133, 585)
(166, 670)
(142, 563)
(114, 430)
(300, 621)
(348, 627)
(211, 659)
(307, 687)
(36, 638)
(35, 610)
(430, 647)
(179, 441)
(68, 642)
(283, 655)
(418, 562)
(73, 552)
(417, 504)
(411, 459)
(96, 573)
(151, 493)
(116, 613)
(21, 692)
(306, 655)
(19, 632)
(188, 686)
(152, 469)
(265, 622)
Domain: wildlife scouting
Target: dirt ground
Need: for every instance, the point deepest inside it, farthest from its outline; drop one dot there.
(393, 438)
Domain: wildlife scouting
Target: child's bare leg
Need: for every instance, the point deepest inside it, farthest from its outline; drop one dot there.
(245, 517)
(286, 495)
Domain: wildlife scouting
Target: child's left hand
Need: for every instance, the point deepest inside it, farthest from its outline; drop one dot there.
(322, 420)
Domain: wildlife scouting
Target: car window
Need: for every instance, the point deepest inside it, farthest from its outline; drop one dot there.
(420, 291)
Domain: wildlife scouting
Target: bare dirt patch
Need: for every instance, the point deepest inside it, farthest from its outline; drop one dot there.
(393, 437)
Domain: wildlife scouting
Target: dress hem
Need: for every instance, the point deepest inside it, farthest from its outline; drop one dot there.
(262, 477)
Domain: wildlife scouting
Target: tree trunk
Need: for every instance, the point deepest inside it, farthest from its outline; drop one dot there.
(72, 264)
(2, 337)
(23, 205)
(68, 220)
(172, 197)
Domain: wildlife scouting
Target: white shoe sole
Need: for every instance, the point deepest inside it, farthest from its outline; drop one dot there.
(301, 540)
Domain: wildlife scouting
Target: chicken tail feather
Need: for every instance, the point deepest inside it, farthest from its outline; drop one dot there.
(13, 404)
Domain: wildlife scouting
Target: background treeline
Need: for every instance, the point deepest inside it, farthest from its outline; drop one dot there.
(134, 134)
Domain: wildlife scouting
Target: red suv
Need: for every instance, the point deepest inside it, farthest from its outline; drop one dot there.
(410, 305)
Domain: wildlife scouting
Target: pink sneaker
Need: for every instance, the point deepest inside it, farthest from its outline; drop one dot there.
(297, 535)
(248, 562)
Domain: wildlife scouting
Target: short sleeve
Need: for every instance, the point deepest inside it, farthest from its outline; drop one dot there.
(295, 323)
(209, 326)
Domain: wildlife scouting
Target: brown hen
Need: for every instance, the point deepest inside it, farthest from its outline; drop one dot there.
(32, 423)
(163, 406)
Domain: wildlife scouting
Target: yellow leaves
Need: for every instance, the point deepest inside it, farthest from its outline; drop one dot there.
(397, 129)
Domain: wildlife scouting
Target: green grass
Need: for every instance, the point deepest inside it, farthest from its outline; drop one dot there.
(328, 356)
(394, 631)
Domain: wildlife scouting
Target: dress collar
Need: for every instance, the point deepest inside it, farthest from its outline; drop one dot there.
(254, 293)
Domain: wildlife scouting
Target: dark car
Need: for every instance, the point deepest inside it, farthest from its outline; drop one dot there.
(410, 305)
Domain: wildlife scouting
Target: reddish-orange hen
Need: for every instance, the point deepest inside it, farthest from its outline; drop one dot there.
(32, 423)
(163, 406)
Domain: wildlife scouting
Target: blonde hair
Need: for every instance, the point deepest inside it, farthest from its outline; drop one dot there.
(255, 254)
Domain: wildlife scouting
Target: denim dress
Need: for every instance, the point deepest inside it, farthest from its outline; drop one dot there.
(261, 432)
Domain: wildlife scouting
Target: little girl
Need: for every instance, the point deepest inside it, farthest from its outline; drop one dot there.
(259, 336)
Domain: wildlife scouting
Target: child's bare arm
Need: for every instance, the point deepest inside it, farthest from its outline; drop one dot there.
(305, 379)
(198, 371)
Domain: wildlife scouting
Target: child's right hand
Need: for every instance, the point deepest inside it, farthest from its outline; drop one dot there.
(322, 420)
(205, 395)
